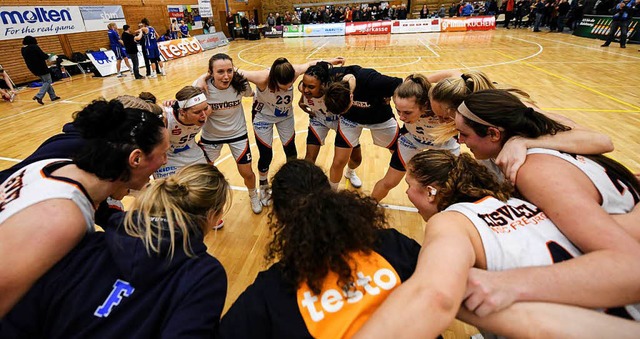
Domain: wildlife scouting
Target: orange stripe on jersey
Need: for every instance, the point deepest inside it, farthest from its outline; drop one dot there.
(335, 314)
(246, 149)
(346, 140)
(483, 199)
(395, 139)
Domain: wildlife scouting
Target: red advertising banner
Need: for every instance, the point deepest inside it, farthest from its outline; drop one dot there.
(179, 48)
(481, 23)
(368, 27)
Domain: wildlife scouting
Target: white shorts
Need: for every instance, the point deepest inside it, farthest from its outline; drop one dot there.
(383, 134)
(409, 146)
(176, 161)
(239, 149)
(263, 128)
(319, 128)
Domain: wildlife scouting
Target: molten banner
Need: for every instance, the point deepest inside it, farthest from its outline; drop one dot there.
(18, 22)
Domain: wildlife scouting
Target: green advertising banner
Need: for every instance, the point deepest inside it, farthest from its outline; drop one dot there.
(599, 26)
(292, 31)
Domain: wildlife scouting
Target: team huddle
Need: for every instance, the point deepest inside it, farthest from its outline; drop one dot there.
(534, 233)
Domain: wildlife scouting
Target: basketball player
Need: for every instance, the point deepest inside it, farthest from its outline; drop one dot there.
(480, 225)
(411, 99)
(321, 256)
(148, 276)
(448, 94)
(578, 193)
(117, 46)
(151, 41)
(362, 96)
(273, 105)
(313, 85)
(184, 30)
(226, 124)
(124, 147)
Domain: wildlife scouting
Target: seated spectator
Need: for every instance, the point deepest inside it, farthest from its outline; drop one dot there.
(6, 86)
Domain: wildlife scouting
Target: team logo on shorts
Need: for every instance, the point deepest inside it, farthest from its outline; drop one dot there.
(347, 123)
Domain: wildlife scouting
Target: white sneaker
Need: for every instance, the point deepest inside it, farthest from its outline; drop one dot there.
(12, 97)
(256, 205)
(265, 195)
(163, 73)
(219, 225)
(152, 76)
(120, 75)
(353, 178)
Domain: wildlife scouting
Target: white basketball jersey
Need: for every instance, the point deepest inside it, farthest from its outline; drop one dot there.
(181, 136)
(317, 106)
(422, 130)
(518, 234)
(227, 119)
(616, 197)
(35, 183)
(275, 106)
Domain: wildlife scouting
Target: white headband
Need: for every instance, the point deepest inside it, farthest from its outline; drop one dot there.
(200, 98)
(466, 112)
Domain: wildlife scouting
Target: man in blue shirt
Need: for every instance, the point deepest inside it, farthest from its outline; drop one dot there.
(117, 46)
(622, 14)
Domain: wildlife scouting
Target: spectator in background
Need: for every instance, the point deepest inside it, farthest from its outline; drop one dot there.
(539, 9)
(205, 25)
(184, 30)
(508, 13)
(287, 18)
(563, 9)
(467, 9)
(357, 14)
(424, 12)
(166, 36)
(131, 47)
(622, 14)
(453, 11)
(271, 21)
(402, 12)
(174, 29)
(278, 19)
(442, 12)
(393, 12)
(231, 25)
(36, 61)
(6, 86)
(348, 15)
(244, 22)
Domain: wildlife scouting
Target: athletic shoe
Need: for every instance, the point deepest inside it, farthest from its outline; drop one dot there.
(163, 73)
(121, 75)
(256, 205)
(265, 195)
(353, 178)
(12, 97)
(55, 98)
(219, 225)
(152, 76)
(39, 100)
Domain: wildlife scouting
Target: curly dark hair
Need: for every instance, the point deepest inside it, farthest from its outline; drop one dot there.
(310, 242)
(461, 178)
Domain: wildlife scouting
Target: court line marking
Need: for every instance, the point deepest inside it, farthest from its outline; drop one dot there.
(540, 49)
(586, 47)
(317, 49)
(429, 48)
(591, 110)
(573, 82)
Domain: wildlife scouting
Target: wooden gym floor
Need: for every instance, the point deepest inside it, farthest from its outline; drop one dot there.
(573, 76)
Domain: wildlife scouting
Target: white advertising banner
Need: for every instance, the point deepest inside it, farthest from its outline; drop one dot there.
(96, 18)
(205, 8)
(415, 26)
(20, 21)
(105, 62)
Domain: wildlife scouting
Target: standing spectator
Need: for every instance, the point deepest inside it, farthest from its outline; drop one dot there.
(278, 19)
(244, 22)
(36, 61)
(442, 12)
(493, 8)
(508, 13)
(131, 47)
(563, 10)
(576, 15)
(326, 16)
(287, 18)
(271, 21)
(402, 12)
(453, 10)
(6, 86)
(231, 25)
(205, 26)
(424, 12)
(357, 14)
(348, 15)
(393, 12)
(622, 14)
(174, 29)
(467, 9)
(184, 30)
(305, 17)
(539, 9)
